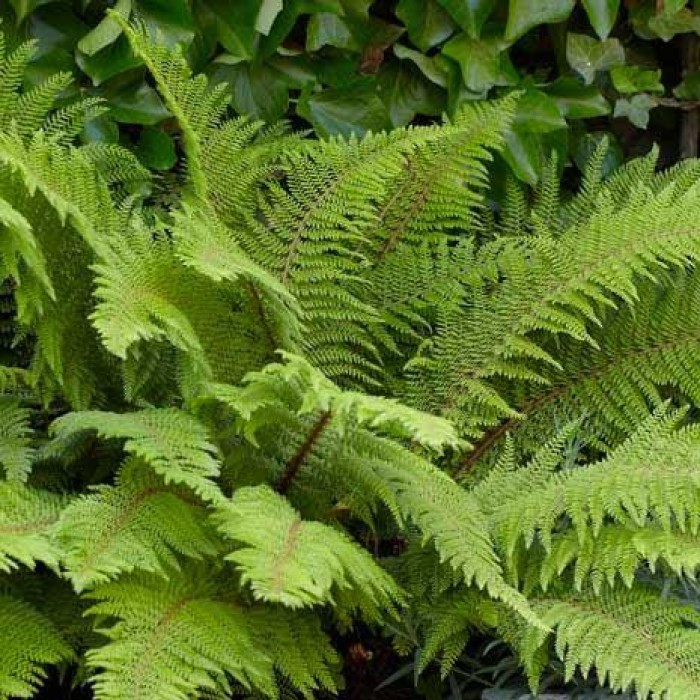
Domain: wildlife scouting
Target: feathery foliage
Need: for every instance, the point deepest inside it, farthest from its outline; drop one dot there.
(204, 497)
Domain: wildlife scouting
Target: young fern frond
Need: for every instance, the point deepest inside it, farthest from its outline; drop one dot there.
(298, 563)
(350, 435)
(172, 442)
(140, 523)
(175, 639)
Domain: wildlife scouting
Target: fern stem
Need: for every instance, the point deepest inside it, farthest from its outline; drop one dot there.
(297, 461)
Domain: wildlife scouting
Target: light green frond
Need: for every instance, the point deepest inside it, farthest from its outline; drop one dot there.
(296, 562)
(641, 351)
(316, 393)
(654, 475)
(137, 524)
(173, 443)
(633, 639)
(195, 105)
(30, 643)
(175, 640)
(26, 519)
(618, 551)
(449, 624)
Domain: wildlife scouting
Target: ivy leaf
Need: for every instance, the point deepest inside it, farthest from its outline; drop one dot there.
(482, 61)
(337, 111)
(171, 20)
(578, 101)
(689, 88)
(432, 67)
(426, 22)
(286, 19)
(156, 149)
(102, 129)
(106, 32)
(587, 55)
(538, 113)
(269, 9)
(406, 93)
(134, 101)
(53, 28)
(666, 25)
(327, 29)
(110, 61)
(602, 15)
(523, 15)
(23, 8)
(257, 90)
(636, 109)
(629, 79)
(470, 14)
(235, 25)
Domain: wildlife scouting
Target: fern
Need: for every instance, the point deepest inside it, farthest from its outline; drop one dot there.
(30, 644)
(179, 638)
(208, 499)
(139, 523)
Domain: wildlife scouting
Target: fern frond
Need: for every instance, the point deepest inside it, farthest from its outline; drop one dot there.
(16, 451)
(619, 552)
(196, 106)
(633, 639)
(30, 644)
(26, 519)
(164, 627)
(138, 524)
(295, 562)
(339, 452)
(640, 352)
(173, 443)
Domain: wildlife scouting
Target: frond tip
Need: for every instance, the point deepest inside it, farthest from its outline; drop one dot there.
(295, 562)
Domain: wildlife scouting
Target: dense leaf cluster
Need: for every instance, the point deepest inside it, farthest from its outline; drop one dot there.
(312, 341)
(590, 69)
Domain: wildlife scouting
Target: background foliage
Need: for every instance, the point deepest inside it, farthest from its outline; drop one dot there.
(588, 69)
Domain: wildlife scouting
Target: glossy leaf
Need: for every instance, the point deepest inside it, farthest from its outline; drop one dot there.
(636, 109)
(257, 90)
(630, 79)
(269, 9)
(689, 88)
(427, 23)
(328, 29)
(602, 15)
(106, 32)
(538, 113)
(406, 92)
(133, 101)
(587, 55)
(113, 60)
(235, 25)
(156, 149)
(470, 14)
(344, 112)
(23, 7)
(523, 15)
(432, 67)
(578, 101)
(481, 61)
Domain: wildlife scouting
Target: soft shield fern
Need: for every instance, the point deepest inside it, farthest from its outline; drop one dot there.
(224, 388)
